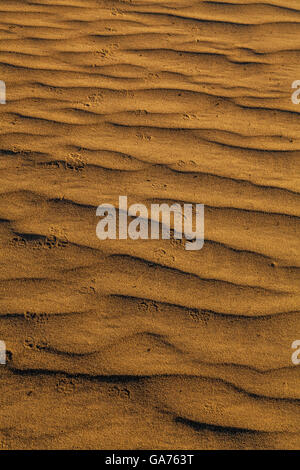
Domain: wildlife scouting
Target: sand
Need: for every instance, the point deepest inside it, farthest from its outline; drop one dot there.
(124, 344)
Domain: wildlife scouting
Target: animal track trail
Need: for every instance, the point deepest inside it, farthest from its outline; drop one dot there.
(151, 345)
(55, 239)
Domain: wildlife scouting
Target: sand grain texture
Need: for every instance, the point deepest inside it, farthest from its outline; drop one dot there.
(142, 344)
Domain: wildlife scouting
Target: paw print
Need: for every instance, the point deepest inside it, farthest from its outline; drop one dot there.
(103, 53)
(189, 116)
(183, 164)
(119, 392)
(29, 343)
(159, 186)
(66, 385)
(75, 162)
(151, 76)
(195, 315)
(60, 235)
(127, 93)
(141, 112)
(35, 345)
(34, 317)
(96, 97)
(143, 136)
(56, 239)
(18, 242)
(161, 256)
(199, 316)
(116, 12)
(53, 242)
(4, 444)
(178, 243)
(148, 306)
(88, 289)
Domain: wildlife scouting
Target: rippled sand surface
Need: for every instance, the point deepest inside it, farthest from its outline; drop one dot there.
(123, 344)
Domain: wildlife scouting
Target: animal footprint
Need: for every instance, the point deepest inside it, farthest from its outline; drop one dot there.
(189, 116)
(41, 318)
(148, 306)
(53, 242)
(103, 53)
(60, 236)
(159, 186)
(152, 76)
(66, 385)
(124, 393)
(35, 345)
(88, 289)
(195, 315)
(142, 136)
(116, 12)
(4, 444)
(96, 97)
(18, 242)
(29, 343)
(161, 255)
(141, 112)
(183, 164)
(199, 316)
(121, 392)
(56, 239)
(75, 162)
(178, 243)
(127, 93)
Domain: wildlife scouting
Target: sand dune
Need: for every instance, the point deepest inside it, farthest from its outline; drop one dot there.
(123, 344)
